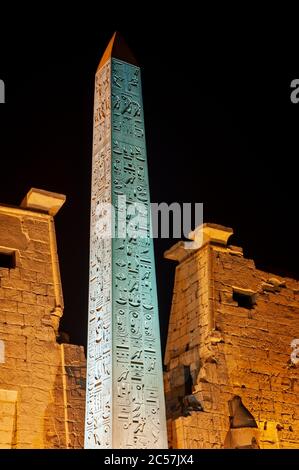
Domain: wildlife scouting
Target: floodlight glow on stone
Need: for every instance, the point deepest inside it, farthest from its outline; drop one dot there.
(125, 400)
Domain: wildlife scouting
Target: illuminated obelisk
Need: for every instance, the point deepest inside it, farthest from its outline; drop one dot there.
(125, 398)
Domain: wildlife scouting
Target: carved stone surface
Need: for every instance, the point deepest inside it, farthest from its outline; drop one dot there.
(125, 399)
(235, 357)
(99, 357)
(42, 381)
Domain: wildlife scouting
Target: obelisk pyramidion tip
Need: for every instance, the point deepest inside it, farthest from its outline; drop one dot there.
(118, 49)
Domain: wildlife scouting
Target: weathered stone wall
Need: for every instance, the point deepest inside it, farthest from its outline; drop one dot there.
(75, 376)
(230, 329)
(40, 405)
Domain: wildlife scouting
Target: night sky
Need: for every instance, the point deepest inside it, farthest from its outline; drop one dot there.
(220, 129)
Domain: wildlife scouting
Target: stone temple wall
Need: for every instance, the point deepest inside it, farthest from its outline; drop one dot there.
(42, 382)
(231, 378)
(230, 381)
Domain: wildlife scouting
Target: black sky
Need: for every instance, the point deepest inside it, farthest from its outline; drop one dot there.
(220, 128)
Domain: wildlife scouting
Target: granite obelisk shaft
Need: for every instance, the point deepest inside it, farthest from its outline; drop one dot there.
(125, 399)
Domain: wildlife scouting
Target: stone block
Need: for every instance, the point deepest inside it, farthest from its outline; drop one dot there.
(29, 298)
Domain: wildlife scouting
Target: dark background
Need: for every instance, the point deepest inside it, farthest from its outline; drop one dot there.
(220, 128)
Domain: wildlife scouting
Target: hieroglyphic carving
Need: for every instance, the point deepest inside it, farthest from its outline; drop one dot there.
(138, 416)
(125, 399)
(99, 361)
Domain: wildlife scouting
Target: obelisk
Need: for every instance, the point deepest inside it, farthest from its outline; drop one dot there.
(125, 398)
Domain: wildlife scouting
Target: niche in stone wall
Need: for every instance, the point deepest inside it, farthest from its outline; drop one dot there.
(7, 258)
(245, 298)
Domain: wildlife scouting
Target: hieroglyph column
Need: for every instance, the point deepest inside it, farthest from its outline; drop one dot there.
(125, 397)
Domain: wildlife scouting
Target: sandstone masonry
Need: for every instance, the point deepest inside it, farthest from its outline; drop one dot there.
(229, 380)
(42, 383)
